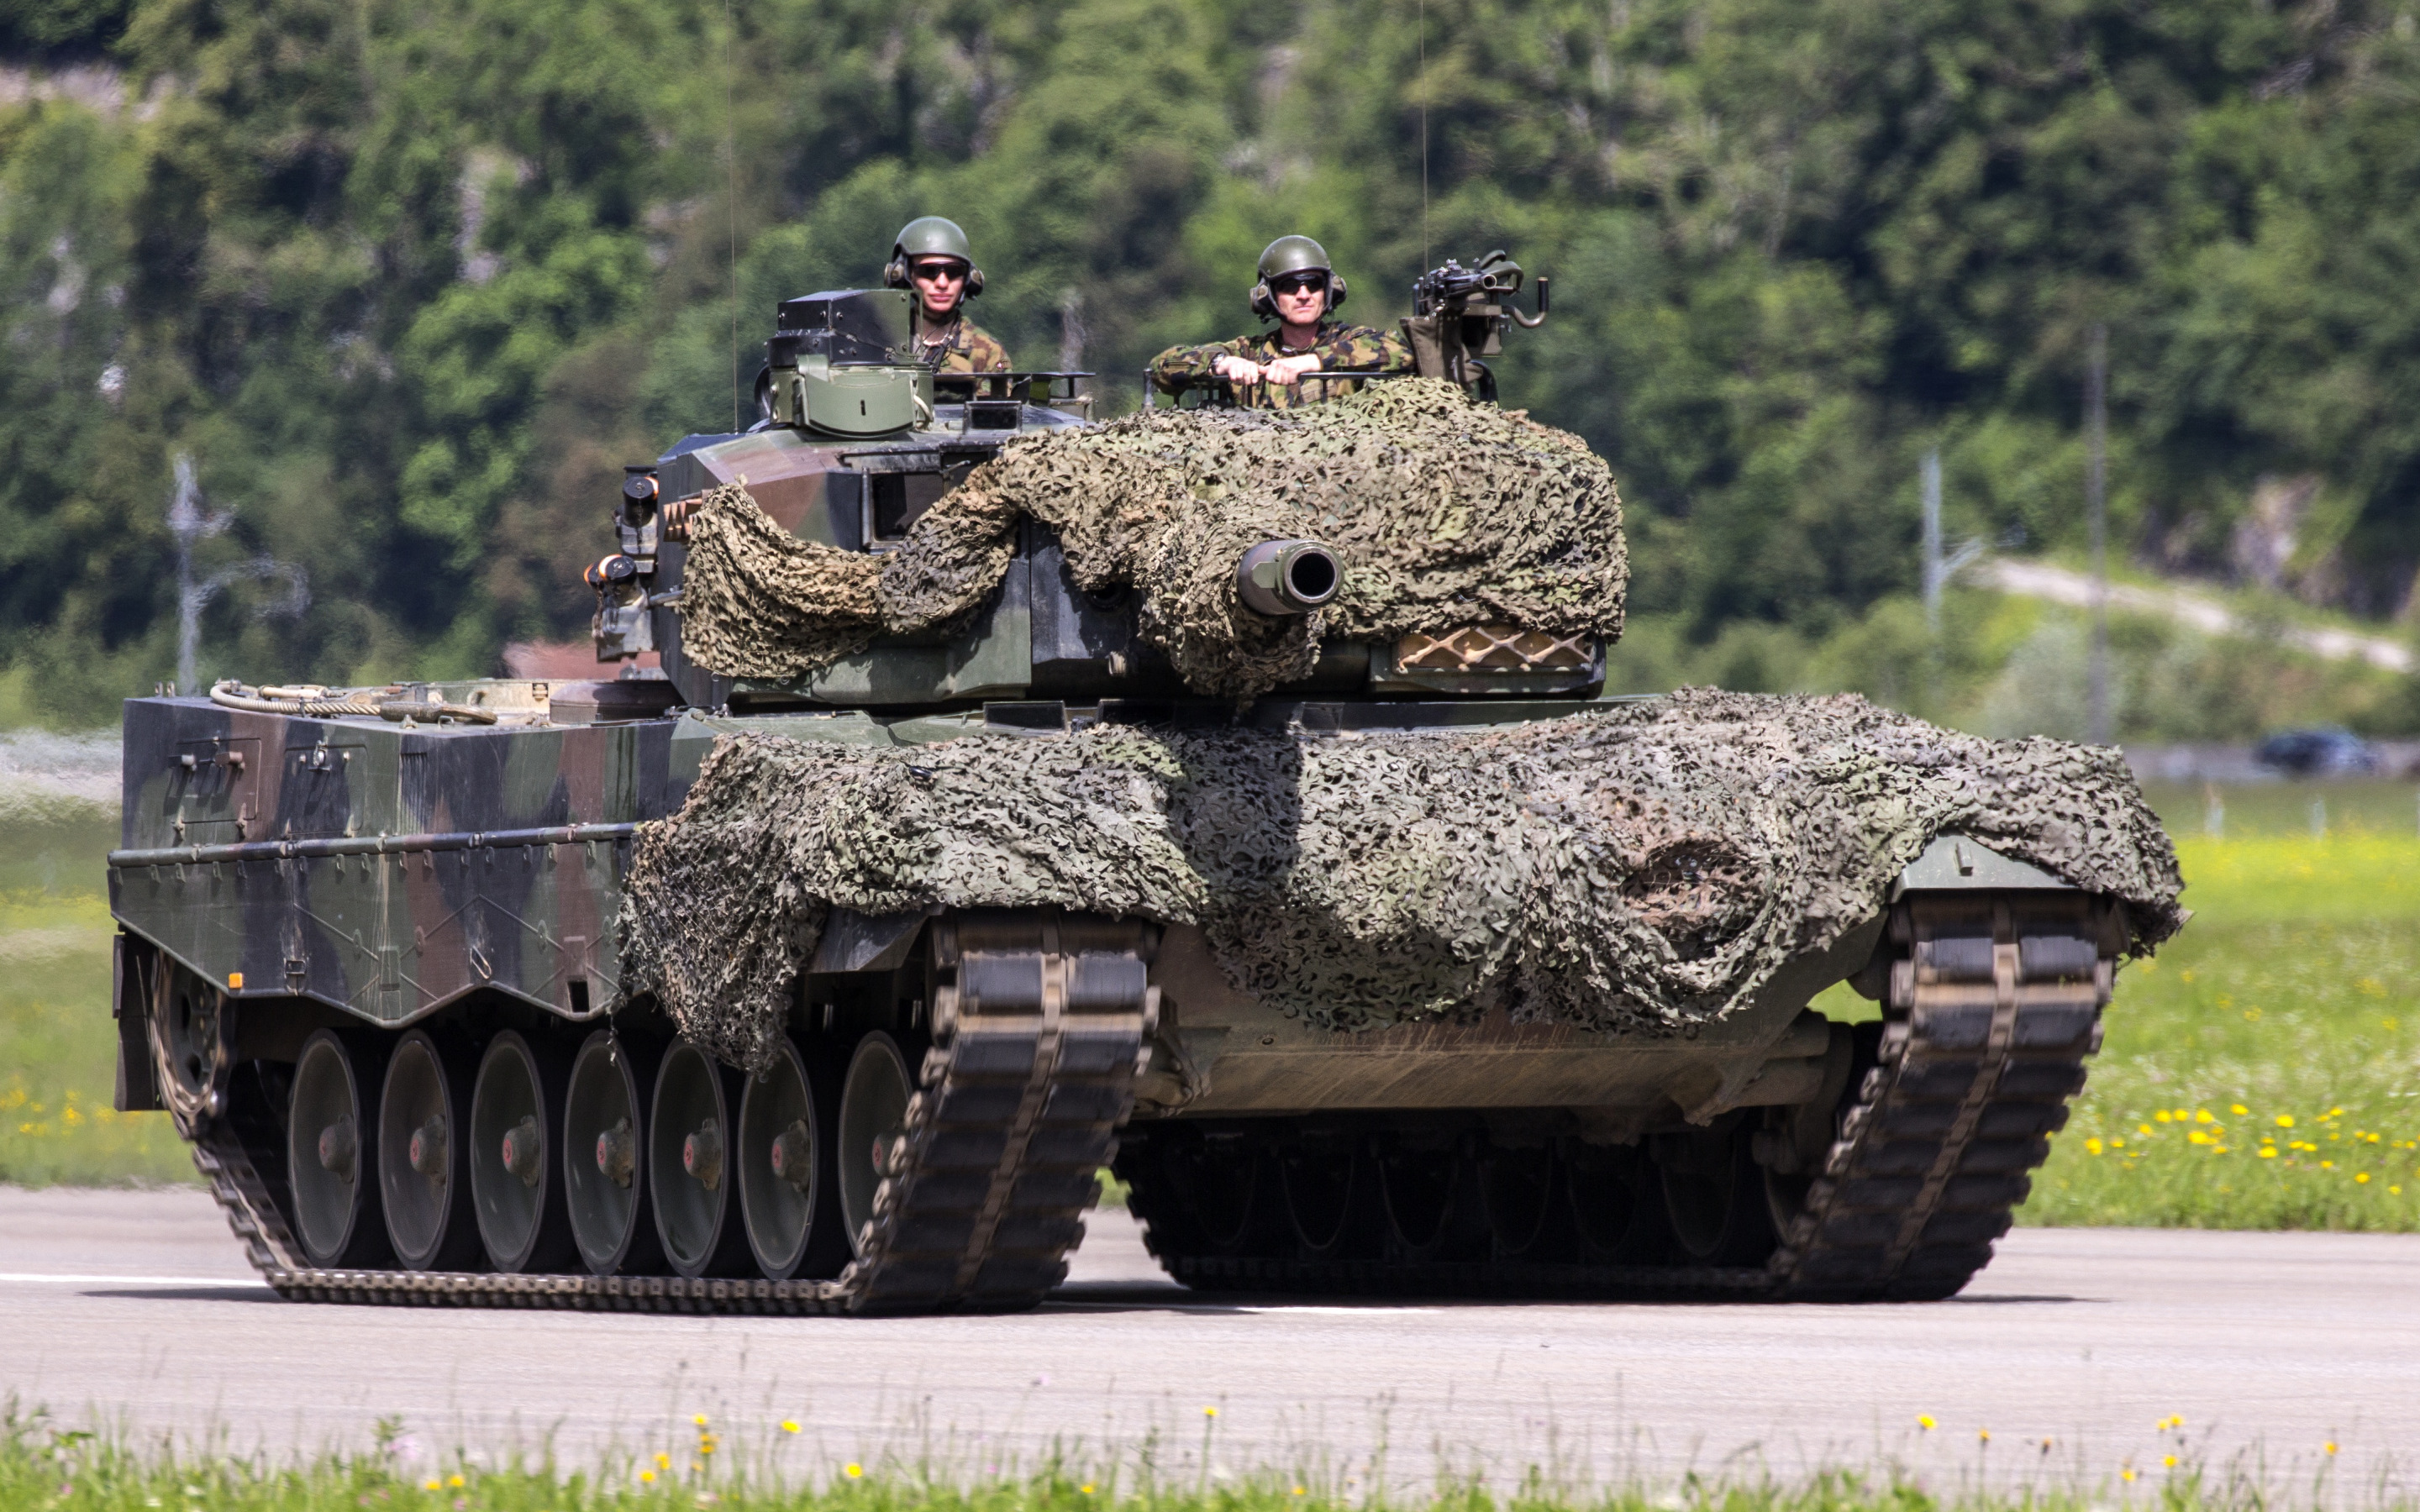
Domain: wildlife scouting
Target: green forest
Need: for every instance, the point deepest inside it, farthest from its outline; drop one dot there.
(410, 280)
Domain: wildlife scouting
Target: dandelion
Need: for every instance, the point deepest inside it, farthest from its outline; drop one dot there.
(2203, 1115)
(2160, 1116)
(790, 1425)
(434, 1484)
(699, 1420)
(2238, 1109)
(1298, 1491)
(2268, 1153)
(1984, 1435)
(2092, 1147)
(2284, 1120)
(1209, 1411)
(648, 1476)
(2169, 1462)
(2127, 1474)
(2330, 1447)
(663, 1461)
(1924, 1421)
(1088, 1490)
(2361, 1179)
(853, 1470)
(455, 1482)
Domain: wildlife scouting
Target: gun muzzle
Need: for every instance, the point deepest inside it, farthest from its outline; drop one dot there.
(1282, 578)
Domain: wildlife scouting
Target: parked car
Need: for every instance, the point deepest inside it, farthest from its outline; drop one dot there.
(2327, 751)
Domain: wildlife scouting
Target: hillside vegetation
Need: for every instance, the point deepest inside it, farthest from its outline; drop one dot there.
(410, 279)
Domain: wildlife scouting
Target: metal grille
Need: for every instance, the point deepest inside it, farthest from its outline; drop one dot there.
(1478, 648)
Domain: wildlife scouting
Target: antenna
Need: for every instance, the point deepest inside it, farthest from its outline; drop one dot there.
(731, 198)
(1422, 76)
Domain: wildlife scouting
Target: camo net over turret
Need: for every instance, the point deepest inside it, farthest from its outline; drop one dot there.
(1445, 514)
(1645, 867)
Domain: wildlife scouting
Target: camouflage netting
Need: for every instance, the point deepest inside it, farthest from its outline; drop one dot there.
(1445, 513)
(1642, 866)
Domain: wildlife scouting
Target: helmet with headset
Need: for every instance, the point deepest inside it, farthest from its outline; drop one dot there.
(1294, 255)
(930, 236)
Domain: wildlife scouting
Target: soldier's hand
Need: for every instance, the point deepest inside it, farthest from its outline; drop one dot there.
(1291, 369)
(1236, 369)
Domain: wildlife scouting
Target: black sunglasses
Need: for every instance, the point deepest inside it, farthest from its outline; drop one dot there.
(1296, 282)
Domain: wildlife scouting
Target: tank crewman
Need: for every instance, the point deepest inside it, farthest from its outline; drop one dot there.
(931, 256)
(1298, 291)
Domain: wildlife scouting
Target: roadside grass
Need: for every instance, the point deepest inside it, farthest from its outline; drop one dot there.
(58, 1045)
(44, 1464)
(2263, 1070)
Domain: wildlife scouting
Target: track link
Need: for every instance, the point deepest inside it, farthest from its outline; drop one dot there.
(1039, 1023)
(1993, 1006)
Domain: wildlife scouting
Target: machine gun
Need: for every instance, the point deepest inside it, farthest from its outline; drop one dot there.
(1460, 315)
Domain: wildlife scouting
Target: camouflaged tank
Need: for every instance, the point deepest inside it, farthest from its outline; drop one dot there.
(1221, 797)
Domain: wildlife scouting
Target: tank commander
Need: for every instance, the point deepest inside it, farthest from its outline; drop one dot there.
(931, 256)
(1298, 291)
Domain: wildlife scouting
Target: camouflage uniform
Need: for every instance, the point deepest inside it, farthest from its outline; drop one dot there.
(961, 347)
(1338, 344)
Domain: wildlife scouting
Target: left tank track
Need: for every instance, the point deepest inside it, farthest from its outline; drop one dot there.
(1035, 1047)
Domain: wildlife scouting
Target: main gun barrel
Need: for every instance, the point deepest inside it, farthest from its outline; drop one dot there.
(1282, 578)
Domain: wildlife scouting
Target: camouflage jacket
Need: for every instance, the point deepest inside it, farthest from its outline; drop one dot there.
(1180, 368)
(961, 347)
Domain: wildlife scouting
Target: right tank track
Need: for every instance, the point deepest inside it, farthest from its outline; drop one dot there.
(1990, 1006)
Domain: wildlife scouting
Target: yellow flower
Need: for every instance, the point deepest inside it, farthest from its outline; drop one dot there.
(2394, 1191)
(663, 1461)
(455, 1482)
(1088, 1490)
(699, 1420)
(2145, 1129)
(1209, 1411)
(2361, 1179)
(2170, 1461)
(2238, 1109)
(1924, 1421)
(853, 1470)
(2092, 1147)
(1984, 1434)
(1298, 1491)
(647, 1475)
(433, 1485)
(2161, 1116)
(2327, 1164)
(790, 1425)
(2202, 1116)
(2127, 1474)
(2284, 1120)
(2330, 1447)
(2268, 1153)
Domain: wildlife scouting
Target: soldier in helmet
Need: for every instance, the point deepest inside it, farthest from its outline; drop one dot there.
(1301, 293)
(931, 256)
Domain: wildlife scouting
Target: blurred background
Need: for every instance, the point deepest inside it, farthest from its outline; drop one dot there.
(409, 282)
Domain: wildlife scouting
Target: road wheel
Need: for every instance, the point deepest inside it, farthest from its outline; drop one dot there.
(873, 1117)
(1517, 1194)
(331, 1152)
(785, 1173)
(516, 1177)
(1714, 1196)
(1616, 1208)
(1332, 1198)
(193, 1025)
(688, 1163)
(423, 1156)
(1431, 1203)
(604, 1165)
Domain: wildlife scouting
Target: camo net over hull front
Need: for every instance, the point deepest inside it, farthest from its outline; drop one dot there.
(1445, 513)
(1645, 866)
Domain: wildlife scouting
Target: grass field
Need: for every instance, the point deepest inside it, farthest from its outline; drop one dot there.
(59, 1469)
(2263, 1072)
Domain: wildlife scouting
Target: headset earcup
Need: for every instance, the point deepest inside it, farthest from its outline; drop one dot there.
(1334, 293)
(894, 274)
(1264, 304)
(974, 281)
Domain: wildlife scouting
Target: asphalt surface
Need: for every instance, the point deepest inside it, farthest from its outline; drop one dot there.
(136, 1309)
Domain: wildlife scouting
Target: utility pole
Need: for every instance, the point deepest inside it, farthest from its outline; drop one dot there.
(189, 522)
(1929, 473)
(2095, 500)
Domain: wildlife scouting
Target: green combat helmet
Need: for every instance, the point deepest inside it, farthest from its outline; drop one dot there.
(1293, 255)
(931, 236)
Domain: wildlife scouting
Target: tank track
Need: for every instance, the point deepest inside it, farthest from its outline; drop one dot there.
(1035, 1048)
(1992, 1005)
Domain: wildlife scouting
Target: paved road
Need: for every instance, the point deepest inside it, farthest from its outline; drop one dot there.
(136, 1306)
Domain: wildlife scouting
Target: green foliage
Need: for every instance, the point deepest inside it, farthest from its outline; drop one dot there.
(410, 281)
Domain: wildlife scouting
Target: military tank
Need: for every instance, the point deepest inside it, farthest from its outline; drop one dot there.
(1273, 848)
